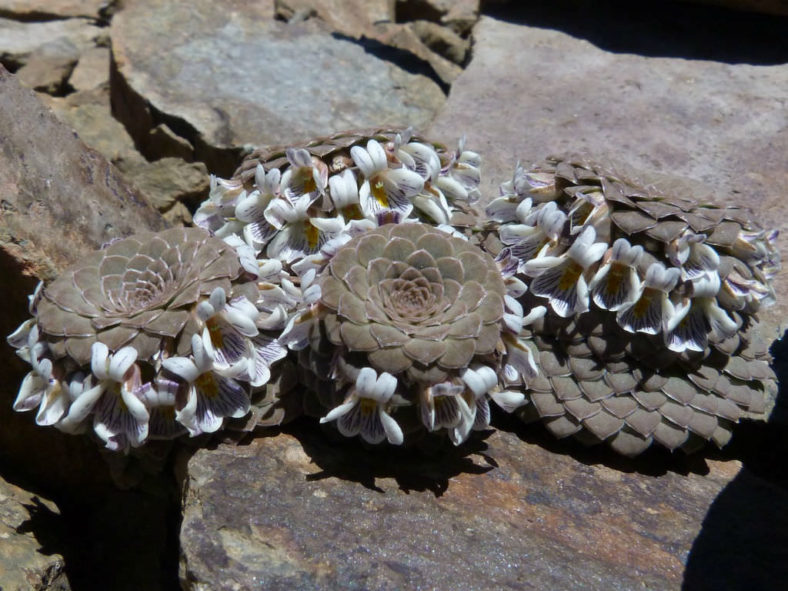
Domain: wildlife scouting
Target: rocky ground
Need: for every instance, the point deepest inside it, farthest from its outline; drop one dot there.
(159, 93)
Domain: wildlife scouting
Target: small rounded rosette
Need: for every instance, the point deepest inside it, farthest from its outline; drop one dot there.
(414, 300)
(152, 337)
(650, 334)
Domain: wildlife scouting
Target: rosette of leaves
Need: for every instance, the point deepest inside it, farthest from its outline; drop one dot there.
(651, 290)
(417, 308)
(152, 337)
(137, 292)
(414, 300)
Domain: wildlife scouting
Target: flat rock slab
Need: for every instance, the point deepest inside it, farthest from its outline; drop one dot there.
(18, 40)
(230, 75)
(53, 9)
(296, 511)
(529, 92)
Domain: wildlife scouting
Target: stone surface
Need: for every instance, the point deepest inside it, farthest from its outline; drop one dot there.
(92, 70)
(529, 92)
(407, 38)
(88, 114)
(350, 17)
(51, 9)
(459, 15)
(49, 66)
(24, 563)
(296, 510)
(20, 39)
(168, 181)
(229, 75)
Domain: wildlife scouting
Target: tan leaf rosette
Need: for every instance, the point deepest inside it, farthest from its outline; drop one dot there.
(150, 338)
(415, 300)
(137, 292)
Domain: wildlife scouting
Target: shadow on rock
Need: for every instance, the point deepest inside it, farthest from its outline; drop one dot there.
(426, 465)
(669, 29)
(743, 543)
(109, 538)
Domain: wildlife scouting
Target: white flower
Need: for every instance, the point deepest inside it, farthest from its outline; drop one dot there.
(652, 309)
(616, 283)
(222, 200)
(442, 405)
(561, 279)
(120, 417)
(420, 158)
(300, 234)
(695, 258)
(366, 409)
(384, 188)
(306, 179)
(228, 328)
(343, 189)
(527, 240)
(210, 397)
(519, 365)
(688, 330)
(258, 230)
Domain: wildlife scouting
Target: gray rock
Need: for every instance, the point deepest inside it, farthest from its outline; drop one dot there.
(723, 124)
(24, 564)
(301, 512)
(18, 40)
(231, 78)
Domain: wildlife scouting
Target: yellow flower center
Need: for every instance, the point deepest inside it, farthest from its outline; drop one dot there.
(215, 332)
(570, 276)
(378, 191)
(207, 385)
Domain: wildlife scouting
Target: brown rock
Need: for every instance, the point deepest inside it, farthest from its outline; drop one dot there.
(355, 17)
(88, 113)
(24, 564)
(49, 66)
(458, 15)
(18, 40)
(169, 181)
(719, 123)
(164, 142)
(289, 511)
(441, 40)
(92, 70)
(48, 9)
(59, 201)
(403, 36)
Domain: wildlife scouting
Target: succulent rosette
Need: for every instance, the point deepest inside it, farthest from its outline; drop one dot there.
(111, 339)
(650, 334)
(354, 279)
